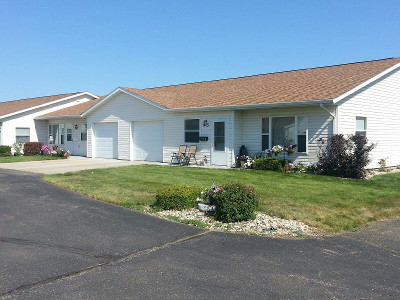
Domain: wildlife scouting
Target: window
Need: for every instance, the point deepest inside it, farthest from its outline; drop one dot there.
(284, 131)
(192, 130)
(361, 126)
(302, 134)
(84, 132)
(22, 135)
(265, 134)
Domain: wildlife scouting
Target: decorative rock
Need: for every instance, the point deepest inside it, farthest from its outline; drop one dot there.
(263, 224)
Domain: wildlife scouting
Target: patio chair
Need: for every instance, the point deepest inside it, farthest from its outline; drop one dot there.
(191, 154)
(178, 156)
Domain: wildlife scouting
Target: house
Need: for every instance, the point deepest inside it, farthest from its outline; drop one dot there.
(20, 121)
(293, 107)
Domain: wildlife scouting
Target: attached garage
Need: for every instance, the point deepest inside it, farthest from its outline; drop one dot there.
(106, 140)
(148, 140)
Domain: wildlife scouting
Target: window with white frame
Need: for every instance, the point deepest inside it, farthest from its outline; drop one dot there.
(361, 126)
(192, 130)
(22, 135)
(84, 132)
(265, 134)
(284, 131)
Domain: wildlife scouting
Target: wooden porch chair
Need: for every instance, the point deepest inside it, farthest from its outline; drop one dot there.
(191, 154)
(179, 156)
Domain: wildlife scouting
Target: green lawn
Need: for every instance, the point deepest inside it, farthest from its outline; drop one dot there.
(329, 203)
(11, 159)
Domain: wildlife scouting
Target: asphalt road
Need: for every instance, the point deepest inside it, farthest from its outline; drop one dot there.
(56, 244)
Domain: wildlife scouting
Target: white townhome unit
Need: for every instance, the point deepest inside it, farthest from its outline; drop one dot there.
(294, 107)
(23, 121)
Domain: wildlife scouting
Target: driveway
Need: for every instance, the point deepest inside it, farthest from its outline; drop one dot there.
(56, 244)
(73, 164)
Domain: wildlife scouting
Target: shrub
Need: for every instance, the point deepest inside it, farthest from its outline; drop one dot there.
(270, 164)
(17, 147)
(177, 197)
(5, 151)
(344, 157)
(32, 148)
(235, 202)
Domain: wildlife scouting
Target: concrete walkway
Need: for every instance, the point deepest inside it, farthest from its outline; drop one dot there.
(73, 164)
(57, 244)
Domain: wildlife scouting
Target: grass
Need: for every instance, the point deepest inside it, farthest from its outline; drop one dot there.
(196, 223)
(12, 159)
(329, 203)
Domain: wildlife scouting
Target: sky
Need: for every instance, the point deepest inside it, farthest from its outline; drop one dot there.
(55, 47)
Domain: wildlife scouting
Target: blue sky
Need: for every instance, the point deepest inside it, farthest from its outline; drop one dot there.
(53, 47)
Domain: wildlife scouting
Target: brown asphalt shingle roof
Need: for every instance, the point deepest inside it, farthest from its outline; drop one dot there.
(290, 86)
(75, 110)
(18, 105)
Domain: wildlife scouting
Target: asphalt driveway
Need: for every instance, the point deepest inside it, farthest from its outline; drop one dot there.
(56, 244)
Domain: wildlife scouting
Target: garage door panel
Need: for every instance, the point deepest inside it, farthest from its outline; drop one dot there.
(148, 141)
(106, 140)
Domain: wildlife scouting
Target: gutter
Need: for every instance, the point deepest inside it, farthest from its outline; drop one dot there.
(59, 117)
(253, 106)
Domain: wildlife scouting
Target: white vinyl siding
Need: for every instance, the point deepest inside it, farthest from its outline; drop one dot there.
(379, 103)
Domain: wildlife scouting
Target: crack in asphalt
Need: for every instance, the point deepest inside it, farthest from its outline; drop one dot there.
(110, 261)
(59, 247)
(371, 244)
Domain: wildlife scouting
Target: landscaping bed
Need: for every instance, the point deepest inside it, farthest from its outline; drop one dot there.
(263, 224)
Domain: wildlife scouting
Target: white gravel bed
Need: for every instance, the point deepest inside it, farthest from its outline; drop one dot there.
(262, 225)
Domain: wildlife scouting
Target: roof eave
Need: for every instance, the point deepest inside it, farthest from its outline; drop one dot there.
(47, 104)
(364, 84)
(59, 117)
(254, 106)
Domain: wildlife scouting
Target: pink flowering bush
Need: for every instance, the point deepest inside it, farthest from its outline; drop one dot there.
(235, 202)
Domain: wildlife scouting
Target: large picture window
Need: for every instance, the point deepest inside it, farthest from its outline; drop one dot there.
(22, 135)
(192, 130)
(284, 131)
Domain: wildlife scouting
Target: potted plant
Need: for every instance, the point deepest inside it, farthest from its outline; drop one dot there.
(291, 149)
(311, 169)
(268, 153)
(242, 159)
(277, 149)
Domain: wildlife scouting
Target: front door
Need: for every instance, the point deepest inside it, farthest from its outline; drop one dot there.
(69, 145)
(219, 149)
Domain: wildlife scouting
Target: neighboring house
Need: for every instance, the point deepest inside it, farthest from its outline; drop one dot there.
(20, 121)
(293, 107)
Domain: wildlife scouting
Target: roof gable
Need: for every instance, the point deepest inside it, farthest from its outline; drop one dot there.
(283, 87)
(9, 108)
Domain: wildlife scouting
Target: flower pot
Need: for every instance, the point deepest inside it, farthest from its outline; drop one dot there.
(205, 207)
(277, 154)
(290, 153)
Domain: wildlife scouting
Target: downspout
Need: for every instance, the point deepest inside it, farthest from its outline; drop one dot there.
(335, 129)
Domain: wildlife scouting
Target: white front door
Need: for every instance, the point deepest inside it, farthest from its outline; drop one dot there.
(106, 140)
(69, 145)
(148, 141)
(219, 147)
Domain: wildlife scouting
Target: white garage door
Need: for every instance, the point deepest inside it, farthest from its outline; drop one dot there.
(106, 135)
(148, 141)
